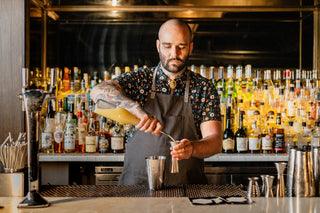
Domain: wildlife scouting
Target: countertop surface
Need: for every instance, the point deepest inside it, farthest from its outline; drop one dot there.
(122, 204)
(109, 157)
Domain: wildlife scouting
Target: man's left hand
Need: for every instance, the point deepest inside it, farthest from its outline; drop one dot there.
(183, 150)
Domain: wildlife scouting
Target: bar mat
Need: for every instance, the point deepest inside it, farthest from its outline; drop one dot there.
(108, 191)
(200, 191)
(191, 191)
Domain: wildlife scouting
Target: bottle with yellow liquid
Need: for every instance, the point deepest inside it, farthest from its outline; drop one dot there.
(115, 113)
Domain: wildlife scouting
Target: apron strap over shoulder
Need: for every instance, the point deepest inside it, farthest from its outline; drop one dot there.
(153, 86)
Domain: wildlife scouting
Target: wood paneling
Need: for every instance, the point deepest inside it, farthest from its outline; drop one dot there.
(11, 61)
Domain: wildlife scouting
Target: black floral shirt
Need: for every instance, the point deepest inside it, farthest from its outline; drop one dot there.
(203, 95)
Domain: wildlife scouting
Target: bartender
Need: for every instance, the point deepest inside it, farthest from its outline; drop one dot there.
(172, 99)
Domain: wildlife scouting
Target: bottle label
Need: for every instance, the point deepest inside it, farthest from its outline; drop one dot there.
(103, 144)
(228, 144)
(58, 136)
(69, 142)
(279, 143)
(242, 144)
(70, 128)
(51, 124)
(267, 143)
(91, 144)
(117, 143)
(82, 134)
(254, 143)
(46, 141)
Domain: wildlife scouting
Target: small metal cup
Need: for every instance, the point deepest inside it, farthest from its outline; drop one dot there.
(155, 169)
(269, 184)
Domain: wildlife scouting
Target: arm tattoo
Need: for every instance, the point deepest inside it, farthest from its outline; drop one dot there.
(112, 92)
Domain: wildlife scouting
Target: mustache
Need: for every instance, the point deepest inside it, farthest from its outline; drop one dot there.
(177, 59)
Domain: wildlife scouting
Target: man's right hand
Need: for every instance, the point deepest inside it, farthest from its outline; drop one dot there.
(149, 123)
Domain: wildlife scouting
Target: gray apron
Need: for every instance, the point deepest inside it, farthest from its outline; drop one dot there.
(175, 115)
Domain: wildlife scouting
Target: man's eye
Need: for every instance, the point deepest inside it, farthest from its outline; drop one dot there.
(182, 47)
(167, 46)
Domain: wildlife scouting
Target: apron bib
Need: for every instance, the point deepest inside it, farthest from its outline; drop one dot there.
(175, 115)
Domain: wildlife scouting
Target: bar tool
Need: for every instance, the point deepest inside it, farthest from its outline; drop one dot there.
(280, 179)
(269, 184)
(174, 162)
(311, 184)
(300, 181)
(290, 171)
(34, 99)
(263, 186)
(155, 169)
(253, 187)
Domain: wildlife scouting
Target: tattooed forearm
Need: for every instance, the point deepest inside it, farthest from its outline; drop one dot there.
(112, 92)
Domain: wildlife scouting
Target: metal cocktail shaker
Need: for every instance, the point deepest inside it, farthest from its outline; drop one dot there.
(290, 171)
(300, 183)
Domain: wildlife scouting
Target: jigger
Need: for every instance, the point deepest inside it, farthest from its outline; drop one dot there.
(174, 162)
(280, 182)
(269, 184)
(253, 187)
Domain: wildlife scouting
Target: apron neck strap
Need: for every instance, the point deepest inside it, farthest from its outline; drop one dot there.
(153, 87)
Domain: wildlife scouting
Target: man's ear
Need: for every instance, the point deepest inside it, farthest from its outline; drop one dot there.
(158, 44)
(191, 48)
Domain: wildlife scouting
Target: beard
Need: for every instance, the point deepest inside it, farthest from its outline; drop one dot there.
(173, 68)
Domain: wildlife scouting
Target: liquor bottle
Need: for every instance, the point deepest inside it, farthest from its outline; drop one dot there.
(238, 83)
(241, 136)
(70, 131)
(228, 144)
(60, 119)
(268, 81)
(254, 138)
(49, 128)
(230, 82)
(253, 114)
(70, 94)
(104, 137)
(82, 128)
(290, 137)
(106, 75)
(117, 139)
(291, 113)
(249, 85)
(76, 79)
(211, 76)
(203, 71)
(82, 94)
(66, 80)
(221, 86)
(315, 138)
(278, 136)
(91, 146)
(267, 138)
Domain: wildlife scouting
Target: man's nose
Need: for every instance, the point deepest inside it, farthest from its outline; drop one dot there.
(174, 52)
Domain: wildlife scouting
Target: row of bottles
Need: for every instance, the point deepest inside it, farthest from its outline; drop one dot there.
(86, 132)
(272, 114)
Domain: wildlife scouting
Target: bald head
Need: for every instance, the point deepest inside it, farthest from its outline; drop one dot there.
(174, 46)
(176, 24)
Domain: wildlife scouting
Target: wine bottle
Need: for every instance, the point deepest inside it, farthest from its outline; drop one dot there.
(241, 136)
(228, 136)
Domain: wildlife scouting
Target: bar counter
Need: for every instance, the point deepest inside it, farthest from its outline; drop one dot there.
(109, 157)
(121, 204)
